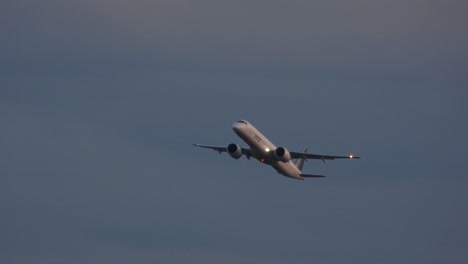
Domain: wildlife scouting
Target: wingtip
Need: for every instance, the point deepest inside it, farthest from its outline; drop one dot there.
(354, 157)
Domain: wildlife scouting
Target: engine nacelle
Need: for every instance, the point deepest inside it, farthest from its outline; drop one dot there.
(282, 154)
(234, 150)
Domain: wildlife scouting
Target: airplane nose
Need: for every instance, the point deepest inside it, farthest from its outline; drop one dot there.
(237, 126)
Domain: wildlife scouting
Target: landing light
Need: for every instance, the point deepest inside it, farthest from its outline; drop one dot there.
(350, 156)
(267, 149)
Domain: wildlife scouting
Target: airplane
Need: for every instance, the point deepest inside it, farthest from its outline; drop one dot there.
(264, 151)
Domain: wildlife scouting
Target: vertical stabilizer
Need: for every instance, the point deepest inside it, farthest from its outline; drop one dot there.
(300, 162)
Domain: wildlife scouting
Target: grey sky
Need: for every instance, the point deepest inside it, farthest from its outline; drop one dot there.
(101, 100)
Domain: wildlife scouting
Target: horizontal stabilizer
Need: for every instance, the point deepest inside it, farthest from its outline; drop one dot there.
(312, 176)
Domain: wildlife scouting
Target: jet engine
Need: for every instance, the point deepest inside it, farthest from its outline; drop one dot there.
(282, 154)
(234, 150)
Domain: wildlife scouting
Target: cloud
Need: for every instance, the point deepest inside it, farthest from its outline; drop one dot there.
(101, 100)
(338, 37)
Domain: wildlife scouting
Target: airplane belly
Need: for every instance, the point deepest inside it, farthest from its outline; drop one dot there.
(287, 169)
(262, 148)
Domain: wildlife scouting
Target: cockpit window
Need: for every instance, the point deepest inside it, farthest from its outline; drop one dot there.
(242, 121)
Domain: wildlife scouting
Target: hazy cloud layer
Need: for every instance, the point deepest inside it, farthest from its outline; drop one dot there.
(101, 100)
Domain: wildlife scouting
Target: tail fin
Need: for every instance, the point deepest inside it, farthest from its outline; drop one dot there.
(300, 162)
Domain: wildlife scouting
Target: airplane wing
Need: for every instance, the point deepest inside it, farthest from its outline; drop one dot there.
(223, 149)
(294, 155)
(299, 155)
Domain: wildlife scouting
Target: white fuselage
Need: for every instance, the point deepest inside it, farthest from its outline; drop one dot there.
(264, 151)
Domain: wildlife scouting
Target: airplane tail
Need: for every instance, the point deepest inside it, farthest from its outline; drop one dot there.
(300, 162)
